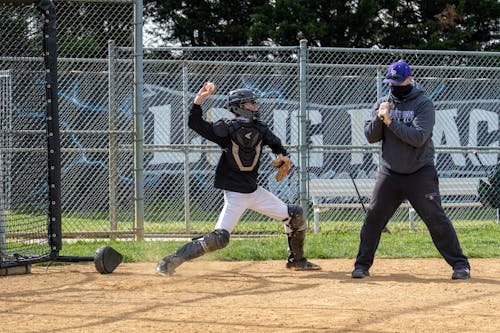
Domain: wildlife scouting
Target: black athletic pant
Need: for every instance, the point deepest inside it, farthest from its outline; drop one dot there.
(422, 191)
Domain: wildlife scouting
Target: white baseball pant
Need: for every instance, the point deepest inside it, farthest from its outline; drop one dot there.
(261, 201)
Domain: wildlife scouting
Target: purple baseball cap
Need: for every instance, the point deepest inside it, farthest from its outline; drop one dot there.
(397, 72)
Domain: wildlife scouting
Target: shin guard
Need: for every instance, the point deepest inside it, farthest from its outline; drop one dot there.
(296, 245)
(215, 240)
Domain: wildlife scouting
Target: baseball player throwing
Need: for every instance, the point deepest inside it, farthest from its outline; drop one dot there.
(241, 140)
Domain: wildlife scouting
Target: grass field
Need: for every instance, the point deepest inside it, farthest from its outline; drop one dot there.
(479, 242)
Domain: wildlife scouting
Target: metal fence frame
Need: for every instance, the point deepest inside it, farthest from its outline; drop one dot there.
(108, 180)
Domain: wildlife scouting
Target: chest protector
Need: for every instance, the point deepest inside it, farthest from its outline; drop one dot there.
(246, 145)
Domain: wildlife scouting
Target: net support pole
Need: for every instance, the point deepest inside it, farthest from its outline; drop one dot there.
(138, 122)
(48, 10)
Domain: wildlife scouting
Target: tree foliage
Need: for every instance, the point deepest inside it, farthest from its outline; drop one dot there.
(84, 28)
(322, 22)
(447, 25)
(205, 22)
(18, 21)
(421, 24)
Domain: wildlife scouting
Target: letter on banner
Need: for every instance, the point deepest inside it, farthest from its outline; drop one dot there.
(446, 126)
(491, 118)
(358, 138)
(162, 136)
(316, 159)
(294, 134)
(213, 115)
(280, 118)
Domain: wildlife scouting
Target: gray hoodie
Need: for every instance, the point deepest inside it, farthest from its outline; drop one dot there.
(407, 143)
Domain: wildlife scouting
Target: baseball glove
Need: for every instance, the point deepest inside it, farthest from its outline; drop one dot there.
(283, 164)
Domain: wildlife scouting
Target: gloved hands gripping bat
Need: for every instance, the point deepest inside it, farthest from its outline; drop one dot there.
(283, 164)
(384, 112)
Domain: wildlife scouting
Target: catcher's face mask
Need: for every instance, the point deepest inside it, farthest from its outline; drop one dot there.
(243, 103)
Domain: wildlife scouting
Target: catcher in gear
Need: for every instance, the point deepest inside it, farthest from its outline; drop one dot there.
(242, 140)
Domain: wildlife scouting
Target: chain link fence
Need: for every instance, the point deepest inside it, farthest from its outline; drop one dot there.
(180, 165)
(464, 86)
(23, 152)
(342, 85)
(314, 99)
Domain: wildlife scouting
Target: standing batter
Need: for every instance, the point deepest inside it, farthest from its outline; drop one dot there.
(241, 140)
(403, 121)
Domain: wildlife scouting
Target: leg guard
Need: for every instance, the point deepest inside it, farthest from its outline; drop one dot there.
(296, 238)
(296, 260)
(215, 240)
(297, 223)
(296, 245)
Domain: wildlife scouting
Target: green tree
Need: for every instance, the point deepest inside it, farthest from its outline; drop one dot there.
(84, 28)
(322, 22)
(420, 24)
(463, 25)
(20, 34)
(448, 25)
(205, 22)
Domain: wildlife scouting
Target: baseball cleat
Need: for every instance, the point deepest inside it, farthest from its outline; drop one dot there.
(461, 274)
(359, 273)
(166, 267)
(302, 265)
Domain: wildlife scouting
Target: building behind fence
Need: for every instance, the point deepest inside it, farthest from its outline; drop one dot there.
(315, 99)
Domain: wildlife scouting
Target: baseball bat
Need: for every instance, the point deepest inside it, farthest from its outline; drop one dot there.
(485, 169)
(361, 200)
(474, 152)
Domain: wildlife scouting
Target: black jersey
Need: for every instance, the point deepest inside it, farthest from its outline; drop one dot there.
(242, 143)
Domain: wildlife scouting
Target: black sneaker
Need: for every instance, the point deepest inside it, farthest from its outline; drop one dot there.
(302, 265)
(359, 273)
(461, 274)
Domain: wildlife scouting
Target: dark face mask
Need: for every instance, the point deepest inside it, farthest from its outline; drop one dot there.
(245, 113)
(401, 91)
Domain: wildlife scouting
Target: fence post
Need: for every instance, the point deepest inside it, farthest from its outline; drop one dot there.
(138, 122)
(113, 142)
(185, 114)
(302, 125)
(379, 82)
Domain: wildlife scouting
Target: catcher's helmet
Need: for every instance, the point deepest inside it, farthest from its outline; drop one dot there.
(237, 98)
(106, 259)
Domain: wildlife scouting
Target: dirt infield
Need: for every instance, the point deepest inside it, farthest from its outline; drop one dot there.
(411, 295)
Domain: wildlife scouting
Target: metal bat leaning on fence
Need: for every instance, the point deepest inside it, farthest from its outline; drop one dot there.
(386, 230)
(489, 191)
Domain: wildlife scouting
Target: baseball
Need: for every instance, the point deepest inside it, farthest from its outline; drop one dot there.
(210, 86)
